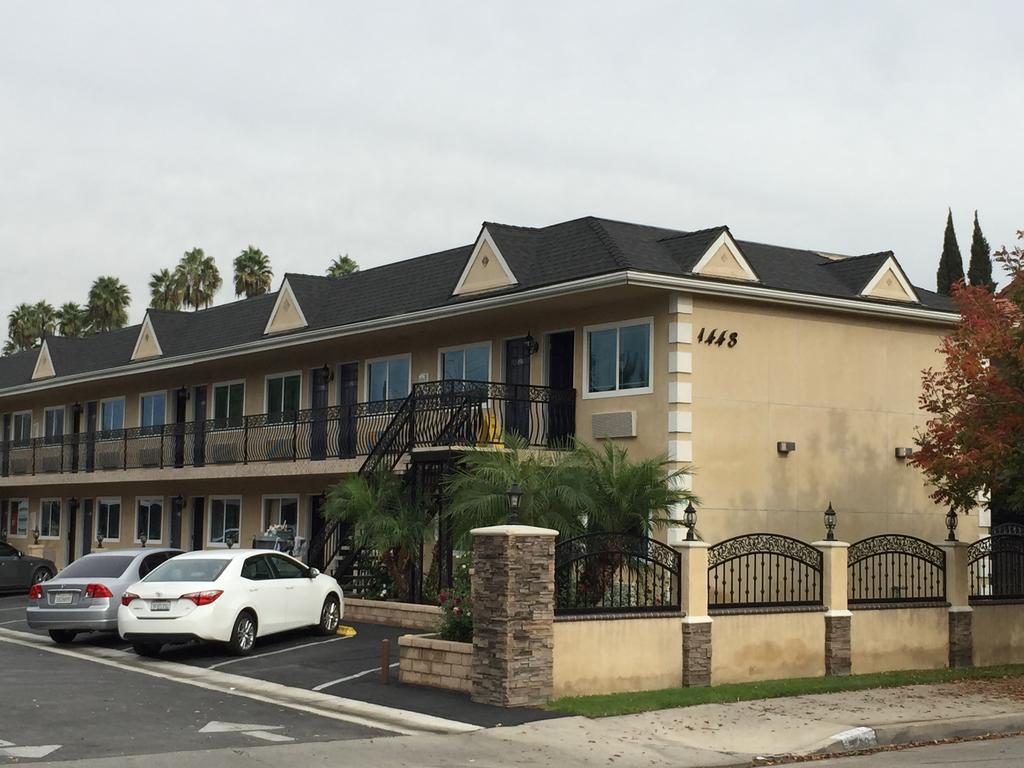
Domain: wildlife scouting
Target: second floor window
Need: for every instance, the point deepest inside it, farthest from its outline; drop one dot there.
(148, 519)
(228, 400)
(283, 394)
(469, 363)
(388, 379)
(21, 428)
(49, 518)
(111, 415)
(108, 519)
(53, 424)
(152, 410)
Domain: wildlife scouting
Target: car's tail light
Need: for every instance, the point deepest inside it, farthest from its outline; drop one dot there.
(97, 590)
(36, 593)
(203, 598)
(127, 598)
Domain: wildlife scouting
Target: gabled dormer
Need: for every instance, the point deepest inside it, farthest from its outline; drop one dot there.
(147, 345)
(725, 259)
(890, 283)
(44, 364)
(486, 269)
(286, 315)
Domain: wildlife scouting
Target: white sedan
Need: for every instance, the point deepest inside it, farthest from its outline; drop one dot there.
(228, 596)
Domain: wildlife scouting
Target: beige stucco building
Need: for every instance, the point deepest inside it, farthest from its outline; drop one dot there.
(786, 378)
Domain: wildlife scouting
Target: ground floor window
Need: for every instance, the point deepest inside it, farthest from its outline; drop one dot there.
(18, 518)
(49, 519)
(225, 519)
(281, 510)
(108, 519)
(149, 515)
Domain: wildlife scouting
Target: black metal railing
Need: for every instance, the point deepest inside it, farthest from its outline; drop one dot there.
(616, 573)
(995, 567)
(447, 413)
(762, 570)
(894, 568)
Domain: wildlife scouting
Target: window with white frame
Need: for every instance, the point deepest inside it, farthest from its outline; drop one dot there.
(153, 411)
(149, 518)
(112, 414)
(108, 519)
(388, 379)
(471, 363)
(283, 394)
(21, 428)
(53, 423)
(619, 358)
(281, 510)
(49, 519)
(18, 517)
(228, 403)
(225, 519)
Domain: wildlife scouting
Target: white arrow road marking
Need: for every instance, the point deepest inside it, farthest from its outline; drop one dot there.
(269, 736)
(249, 729)
(28, 752)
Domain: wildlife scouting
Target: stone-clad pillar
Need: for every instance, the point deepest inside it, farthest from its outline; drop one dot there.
(958, 592)
(835, 582)
(696, 622)
(513, 615)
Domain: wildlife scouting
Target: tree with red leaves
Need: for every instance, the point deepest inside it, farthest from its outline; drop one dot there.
(973, 440)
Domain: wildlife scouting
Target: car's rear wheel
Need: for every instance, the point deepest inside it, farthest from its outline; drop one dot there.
(243, 634)
(149, 650)
(330, 617)
(62, 636)
(41, 574)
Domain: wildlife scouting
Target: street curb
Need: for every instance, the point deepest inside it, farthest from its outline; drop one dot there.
(867, 737)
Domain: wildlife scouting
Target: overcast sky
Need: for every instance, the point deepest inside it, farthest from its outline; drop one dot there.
(131, 132)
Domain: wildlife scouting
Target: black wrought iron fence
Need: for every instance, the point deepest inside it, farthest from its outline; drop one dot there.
(894, 568)
(761, 570)
(616, 573)
(995, 567)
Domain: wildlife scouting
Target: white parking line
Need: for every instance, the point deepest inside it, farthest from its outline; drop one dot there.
(352, 677)
(12, 621)
(273, 653)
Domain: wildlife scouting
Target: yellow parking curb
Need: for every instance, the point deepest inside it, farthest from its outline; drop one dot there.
(346, 631)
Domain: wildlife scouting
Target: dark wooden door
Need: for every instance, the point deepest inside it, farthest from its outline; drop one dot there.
(198, 508)
(175, 535)
(561, 362)
(180, 416)
(318, 402)
(199, 427)
(88, 531)
(348, 397)
(517, 376)
(72, 516)
(91, 415)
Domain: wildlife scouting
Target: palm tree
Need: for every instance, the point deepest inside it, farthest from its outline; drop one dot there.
(21, 324)
(107, 307)
(252, 273)
(386, 520)
(165, 290)
(44, 320)
(200, 278)
(72, 320)
(341, 266)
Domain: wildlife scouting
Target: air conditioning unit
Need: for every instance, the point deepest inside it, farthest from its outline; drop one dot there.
(613, 424)
(149, 456)
(110, 456)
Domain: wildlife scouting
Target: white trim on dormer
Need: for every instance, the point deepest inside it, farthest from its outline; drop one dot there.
(890, 264)
(147, 325)
(485, 237)
(725, 239)
(286, 292)
(44, 364)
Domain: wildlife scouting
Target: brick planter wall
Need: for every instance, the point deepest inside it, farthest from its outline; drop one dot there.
(428, 660)
(425, 618)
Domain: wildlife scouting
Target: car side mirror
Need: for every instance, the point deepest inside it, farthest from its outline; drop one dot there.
(313, 573)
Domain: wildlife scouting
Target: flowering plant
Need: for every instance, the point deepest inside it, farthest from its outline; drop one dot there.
(456, 615)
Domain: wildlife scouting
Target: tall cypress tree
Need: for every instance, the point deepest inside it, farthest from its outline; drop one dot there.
(980, 269)
(951, 263)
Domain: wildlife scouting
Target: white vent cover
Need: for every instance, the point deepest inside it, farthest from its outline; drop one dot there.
(614, 424)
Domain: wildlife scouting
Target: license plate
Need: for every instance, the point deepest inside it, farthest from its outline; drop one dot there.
(159, 605)
(62, 598)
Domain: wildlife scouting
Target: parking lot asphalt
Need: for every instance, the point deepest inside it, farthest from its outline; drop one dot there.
(348, 667)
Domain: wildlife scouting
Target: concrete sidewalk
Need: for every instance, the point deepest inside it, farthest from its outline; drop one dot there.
(708, 735)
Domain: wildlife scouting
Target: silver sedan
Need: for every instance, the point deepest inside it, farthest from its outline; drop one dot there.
(85, 596)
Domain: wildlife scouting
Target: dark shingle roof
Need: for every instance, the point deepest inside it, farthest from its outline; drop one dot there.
(538, 257)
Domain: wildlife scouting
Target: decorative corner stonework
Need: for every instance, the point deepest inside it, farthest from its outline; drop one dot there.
(961, 638)
(837, 643)
(696, 653)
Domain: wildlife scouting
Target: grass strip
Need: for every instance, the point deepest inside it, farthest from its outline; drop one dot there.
(606, 705)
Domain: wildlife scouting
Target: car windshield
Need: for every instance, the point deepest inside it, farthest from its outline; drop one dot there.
(97, 566)
(189, 569)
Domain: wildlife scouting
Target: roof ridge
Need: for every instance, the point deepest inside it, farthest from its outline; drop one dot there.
(848, 259)
(617, 254)
(720, 227)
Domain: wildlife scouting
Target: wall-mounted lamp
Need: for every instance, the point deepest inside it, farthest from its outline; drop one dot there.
(785, 447)
(183, 393)
(531, 344)
(73, 503)
(328, 373)
(180, 501)
(904, 453)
